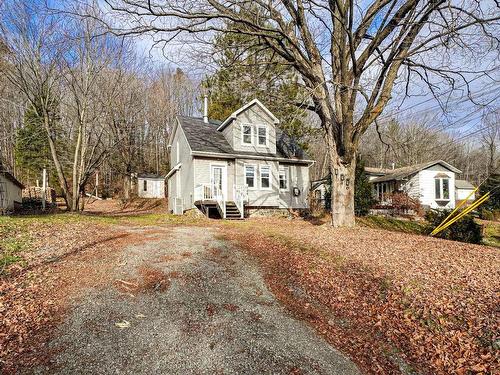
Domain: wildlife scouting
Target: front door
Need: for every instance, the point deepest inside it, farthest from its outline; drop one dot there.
(218, 178)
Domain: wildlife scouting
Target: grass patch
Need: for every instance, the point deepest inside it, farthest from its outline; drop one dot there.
(13, 242)
(392, 224)
(491, 233)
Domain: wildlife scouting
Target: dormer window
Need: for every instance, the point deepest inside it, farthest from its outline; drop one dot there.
(247, 134)
(262, 135)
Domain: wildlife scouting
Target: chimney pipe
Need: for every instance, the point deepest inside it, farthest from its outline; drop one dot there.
(205, 109)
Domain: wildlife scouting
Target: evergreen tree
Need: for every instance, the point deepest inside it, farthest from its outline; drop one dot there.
(247, 72)
(363, 196)
(31, 150)
(493, 202)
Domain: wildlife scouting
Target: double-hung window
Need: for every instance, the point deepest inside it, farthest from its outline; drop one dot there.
(262, 135)
(442, 188)
(284, 178)
(265, 177)
(246, 134)
(250, 176)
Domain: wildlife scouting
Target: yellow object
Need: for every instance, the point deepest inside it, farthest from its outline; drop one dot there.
(436, 230)
(446, 224)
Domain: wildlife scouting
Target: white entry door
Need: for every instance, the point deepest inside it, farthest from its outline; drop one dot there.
(218, 178)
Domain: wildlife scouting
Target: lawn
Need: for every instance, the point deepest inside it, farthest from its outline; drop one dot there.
(395, 302)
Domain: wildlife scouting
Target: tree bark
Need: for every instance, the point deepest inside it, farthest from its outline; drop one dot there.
(342, 190)
(55, 158)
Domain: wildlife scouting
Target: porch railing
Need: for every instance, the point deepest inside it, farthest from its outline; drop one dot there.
(203, 192)
(221, 202)
(240, 195)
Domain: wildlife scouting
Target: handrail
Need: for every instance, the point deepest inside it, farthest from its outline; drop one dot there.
(221, 203)
(203, 192)
(240, 194)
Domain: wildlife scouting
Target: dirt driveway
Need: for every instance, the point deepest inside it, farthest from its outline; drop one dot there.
(185, 302)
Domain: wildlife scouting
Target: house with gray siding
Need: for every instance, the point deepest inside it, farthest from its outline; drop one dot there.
(237, 167)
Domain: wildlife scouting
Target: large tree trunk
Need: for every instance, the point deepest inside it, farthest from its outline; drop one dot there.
(342, 191)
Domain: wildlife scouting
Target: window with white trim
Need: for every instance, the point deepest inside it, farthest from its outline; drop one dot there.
(265, 177)
(246, 134)
(442, 188)
(250, 175)
(284, 176)
(262, 135)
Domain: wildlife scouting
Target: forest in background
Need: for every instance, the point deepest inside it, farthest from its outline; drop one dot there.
(76, 100)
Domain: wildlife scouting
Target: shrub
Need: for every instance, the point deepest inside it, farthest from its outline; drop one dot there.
(464, 230)
(401, 203)
(493, 203)
(486, 215)
(363, 196)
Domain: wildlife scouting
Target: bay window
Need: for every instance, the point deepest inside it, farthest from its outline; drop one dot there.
(442, 188)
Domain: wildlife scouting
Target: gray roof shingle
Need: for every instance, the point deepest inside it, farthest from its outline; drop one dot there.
(206, 138)
(463, 184)
(400, 173)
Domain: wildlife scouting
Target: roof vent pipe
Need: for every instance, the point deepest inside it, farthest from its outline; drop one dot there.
(205, 109)
(393, 165)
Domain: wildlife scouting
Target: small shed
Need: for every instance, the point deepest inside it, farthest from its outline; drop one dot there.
(150, 186)
(462, 190)
(10, 191)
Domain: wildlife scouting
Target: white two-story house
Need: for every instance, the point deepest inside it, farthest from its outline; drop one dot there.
(234, 168)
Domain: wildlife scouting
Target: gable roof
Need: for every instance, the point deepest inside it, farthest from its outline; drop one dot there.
(204, 137)
(463, 184)
(233, 115)
(9, 176)
(401, 173)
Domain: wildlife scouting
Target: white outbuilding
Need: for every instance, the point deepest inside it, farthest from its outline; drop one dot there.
(10, 191)
(150, 186)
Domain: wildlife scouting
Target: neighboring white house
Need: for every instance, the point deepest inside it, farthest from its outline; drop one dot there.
(150, 186)
(10, 191)
(242, 164)
(433, 183)
(464, 190)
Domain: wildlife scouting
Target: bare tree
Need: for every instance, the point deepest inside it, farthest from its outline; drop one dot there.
(34, 51)
(349, 54)
(490, 139)
(84, 67)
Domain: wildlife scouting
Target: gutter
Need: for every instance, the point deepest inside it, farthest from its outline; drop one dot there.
(173, 170)
(254, 157)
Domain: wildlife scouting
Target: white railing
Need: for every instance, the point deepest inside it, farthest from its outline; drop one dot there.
(240, 195)
(221, 202)
(203, 192)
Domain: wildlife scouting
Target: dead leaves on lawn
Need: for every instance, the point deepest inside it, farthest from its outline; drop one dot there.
(393, 302)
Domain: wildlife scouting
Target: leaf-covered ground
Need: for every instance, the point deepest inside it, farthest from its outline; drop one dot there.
(394, 302)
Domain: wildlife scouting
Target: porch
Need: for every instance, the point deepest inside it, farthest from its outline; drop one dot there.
(214, 202)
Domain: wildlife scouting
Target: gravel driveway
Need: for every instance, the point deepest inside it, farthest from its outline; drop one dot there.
(185, 302)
